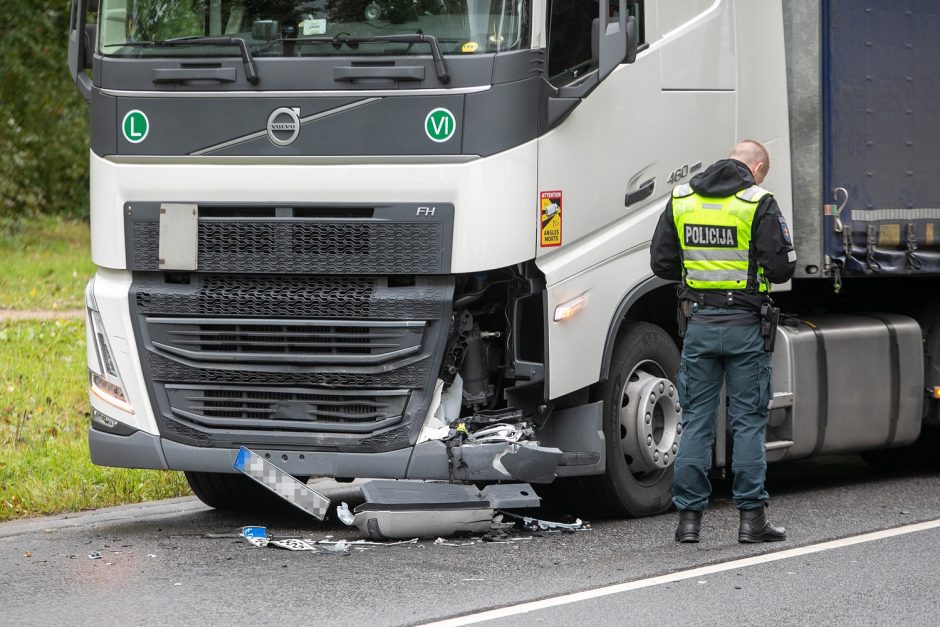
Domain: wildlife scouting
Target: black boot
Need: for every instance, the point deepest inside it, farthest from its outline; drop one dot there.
(690, 522)
(755, 528)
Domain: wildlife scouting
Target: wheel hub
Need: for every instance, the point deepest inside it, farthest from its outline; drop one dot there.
(650, 418)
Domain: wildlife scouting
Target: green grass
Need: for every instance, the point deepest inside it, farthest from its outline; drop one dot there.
(46, 263)
(44, 462)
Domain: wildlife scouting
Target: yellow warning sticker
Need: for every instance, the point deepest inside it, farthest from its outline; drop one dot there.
(550, 219)
(470, 47)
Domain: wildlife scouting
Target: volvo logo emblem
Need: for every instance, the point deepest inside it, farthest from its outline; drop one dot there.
(284, 126)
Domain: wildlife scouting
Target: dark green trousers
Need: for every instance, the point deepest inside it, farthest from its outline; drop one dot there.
(711, 354)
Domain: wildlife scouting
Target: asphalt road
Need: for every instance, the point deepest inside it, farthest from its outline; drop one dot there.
(158, 566)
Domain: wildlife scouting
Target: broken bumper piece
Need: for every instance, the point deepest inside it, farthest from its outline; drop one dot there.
(484, 462)
(410, 509)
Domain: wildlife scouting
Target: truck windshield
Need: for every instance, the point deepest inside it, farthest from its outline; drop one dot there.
(130, 28)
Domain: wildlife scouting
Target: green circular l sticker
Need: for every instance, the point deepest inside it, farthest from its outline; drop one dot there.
(136, 126)
(440, 125)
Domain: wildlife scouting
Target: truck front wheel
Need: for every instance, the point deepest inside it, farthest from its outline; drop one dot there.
(642, 422)
(232, 492)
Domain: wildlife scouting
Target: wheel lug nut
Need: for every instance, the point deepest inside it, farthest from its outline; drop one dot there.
(666, 458)
(672, 390)
(662, 388)
(649, 440)
(649, 419)
(679, 428)
(652, 398)
(678, 407)
(675, 448)
(655, 456)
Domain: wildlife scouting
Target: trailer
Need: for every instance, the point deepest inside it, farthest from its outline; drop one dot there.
(410, 239)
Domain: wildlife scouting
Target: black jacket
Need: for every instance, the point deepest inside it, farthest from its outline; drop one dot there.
(771, 245)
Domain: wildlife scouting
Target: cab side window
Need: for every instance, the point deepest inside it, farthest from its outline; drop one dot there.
(570, 27)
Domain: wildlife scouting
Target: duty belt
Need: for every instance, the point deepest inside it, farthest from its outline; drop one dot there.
(729, 299)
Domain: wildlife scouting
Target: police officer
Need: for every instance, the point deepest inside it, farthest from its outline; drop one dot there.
(725, 239)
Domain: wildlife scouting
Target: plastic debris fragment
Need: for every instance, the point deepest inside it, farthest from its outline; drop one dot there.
(94, 555)
(256, 536)
(345, 516)
(548, 525)
(293, 544)
(443, 542)
(339, 548)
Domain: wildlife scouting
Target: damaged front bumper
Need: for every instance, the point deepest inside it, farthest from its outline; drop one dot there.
(427, 460)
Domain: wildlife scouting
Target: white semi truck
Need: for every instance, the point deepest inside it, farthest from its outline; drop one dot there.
(410, 238)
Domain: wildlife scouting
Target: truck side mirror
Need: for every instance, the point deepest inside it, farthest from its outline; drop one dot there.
(633, 40)
(81, 48)
(616, 44)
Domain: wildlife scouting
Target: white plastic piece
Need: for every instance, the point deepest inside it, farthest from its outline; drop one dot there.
(345, 516)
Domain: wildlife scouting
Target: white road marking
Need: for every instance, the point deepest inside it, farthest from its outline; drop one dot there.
(532, 606)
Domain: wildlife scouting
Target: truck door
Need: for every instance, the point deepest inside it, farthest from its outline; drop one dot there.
(646, 127)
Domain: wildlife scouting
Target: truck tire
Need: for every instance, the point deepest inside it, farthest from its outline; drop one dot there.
(642, 423)
(231, 492)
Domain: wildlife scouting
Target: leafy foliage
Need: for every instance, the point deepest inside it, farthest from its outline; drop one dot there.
(43, 118)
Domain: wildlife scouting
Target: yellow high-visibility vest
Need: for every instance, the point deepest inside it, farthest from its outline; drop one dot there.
(715, 237)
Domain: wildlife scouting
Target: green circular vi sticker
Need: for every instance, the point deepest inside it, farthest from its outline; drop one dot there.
(136, 126)
(440, 125)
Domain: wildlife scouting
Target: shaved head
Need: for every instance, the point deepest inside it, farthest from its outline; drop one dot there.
(754, 155)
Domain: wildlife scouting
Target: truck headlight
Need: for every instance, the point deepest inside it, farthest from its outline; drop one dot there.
(105, 380)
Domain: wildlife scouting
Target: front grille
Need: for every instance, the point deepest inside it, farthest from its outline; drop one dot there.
(286, 409)
(286, 341)
(281, 362)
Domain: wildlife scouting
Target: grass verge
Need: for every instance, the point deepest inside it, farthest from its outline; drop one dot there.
(46, 263)
(44, 462)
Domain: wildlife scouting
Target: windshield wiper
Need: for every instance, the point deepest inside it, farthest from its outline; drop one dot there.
(405, 38)
(251, 72)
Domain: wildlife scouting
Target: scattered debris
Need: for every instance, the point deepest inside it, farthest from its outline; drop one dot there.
(443, 542)
(369, 542)
(94, 555)
(547, 525)
(27, 554)
(151, 555)
(338, 548)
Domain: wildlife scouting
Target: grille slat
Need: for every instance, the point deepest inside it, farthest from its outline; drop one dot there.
(270, 346)
(325, 298)
(260, 341)
(294, 408)
(207, 333)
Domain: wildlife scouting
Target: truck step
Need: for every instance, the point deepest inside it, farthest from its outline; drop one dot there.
(776, 445)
